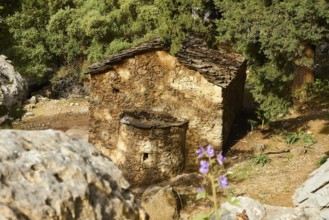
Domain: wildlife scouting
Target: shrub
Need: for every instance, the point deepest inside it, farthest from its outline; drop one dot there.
(294, 137)
(261, 159)
(322, 160)
(318, 89)
(69, 81)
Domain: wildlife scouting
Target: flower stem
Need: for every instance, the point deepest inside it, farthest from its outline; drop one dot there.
(213, 188)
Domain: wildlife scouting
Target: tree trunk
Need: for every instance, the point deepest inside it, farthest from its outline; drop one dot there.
(304, 74)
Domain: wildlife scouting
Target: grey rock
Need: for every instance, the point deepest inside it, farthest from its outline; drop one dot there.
(29, 107)
(298, 151)
(33, 100)
(284, 213)
(13, 88)
(4, 118)
(79, 133)
(314, 193)
(48, 175)
(161, 203)
(7, 213)
(29, 114)
(254, 210)
(41, 98)
(258, 148)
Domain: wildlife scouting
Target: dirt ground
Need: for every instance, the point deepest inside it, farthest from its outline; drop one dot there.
(289, 165)
(68, 115)
(285, 168)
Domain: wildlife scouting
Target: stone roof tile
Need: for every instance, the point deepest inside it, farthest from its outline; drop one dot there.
(218, 66)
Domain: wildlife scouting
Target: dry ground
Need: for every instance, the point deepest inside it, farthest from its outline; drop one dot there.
(275, 182)
(272, 183)
(64, 115)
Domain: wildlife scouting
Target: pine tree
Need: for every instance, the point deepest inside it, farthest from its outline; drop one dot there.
(276, 37)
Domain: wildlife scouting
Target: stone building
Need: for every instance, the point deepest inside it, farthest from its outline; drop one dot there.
(147, 104)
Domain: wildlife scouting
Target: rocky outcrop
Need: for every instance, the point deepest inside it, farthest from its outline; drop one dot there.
(314, 193)
(47, 175)
(251, 209)
(13, 88)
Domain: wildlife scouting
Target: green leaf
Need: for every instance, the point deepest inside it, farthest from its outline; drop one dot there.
(233, 201)
(202, 216)
(201, 195)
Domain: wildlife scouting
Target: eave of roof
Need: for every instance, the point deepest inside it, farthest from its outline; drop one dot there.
(107, 64)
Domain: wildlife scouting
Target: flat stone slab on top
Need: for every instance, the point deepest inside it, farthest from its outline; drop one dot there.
(147, 120)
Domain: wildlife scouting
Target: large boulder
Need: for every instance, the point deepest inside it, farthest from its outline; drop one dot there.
(13, 88)
(314, 193)
(48, 175)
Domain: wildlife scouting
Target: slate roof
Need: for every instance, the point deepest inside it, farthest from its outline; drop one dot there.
(218, 66)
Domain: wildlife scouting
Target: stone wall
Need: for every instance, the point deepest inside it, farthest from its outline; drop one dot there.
(150, 148)
(233, 100)
(156, 81)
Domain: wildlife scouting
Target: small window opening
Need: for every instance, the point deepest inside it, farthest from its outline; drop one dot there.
(145, 156)
(115, 90)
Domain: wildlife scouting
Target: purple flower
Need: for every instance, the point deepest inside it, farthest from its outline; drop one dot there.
(200, 152)
(210, 151)
(200, 190)
(204, 167)
(220, 158)
(223, 183)
(201, 193)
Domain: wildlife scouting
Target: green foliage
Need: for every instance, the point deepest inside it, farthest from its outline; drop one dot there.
(322, 160)
(294, 137)
(56, 33)
(242, 172)
(252, 124)
(177, 20)
(11, 114)
(6, 9)
(261, 159)
(270, 90)
(70, 80)
(53, 33)
(318, 89)
(28, 31)
(273, 37)
(202, 216)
